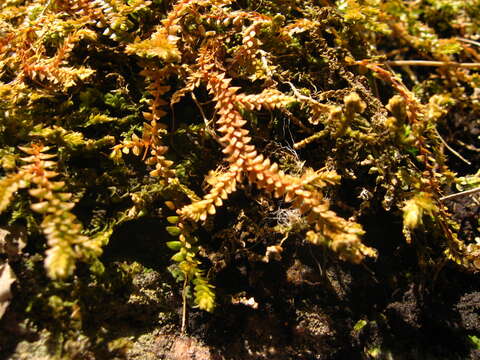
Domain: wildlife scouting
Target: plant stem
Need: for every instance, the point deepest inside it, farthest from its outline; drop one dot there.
(462, 193)
(184, 306)
(431, 63)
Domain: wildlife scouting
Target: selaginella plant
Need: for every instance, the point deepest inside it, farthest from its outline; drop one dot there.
(209, 66)
(84, 79)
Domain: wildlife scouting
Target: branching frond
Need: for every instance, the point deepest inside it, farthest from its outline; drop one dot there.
(62, 229)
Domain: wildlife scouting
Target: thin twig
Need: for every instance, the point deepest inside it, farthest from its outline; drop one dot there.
(431, 63)
(296, 121)
(184, 306)
(297, 93)
(47, 5)
(462, 193)
(468, 41)
(308, 140)
(301, 97)
(207, 122)
(451, 149)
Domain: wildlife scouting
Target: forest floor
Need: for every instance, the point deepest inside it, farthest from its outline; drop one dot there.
(300, 302)
(298, 307)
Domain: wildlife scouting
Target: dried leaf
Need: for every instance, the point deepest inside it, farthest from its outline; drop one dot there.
(7, 278)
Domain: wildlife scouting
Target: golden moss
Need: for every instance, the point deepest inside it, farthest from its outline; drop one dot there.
(86, 84)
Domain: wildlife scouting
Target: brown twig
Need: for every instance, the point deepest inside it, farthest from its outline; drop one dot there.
(462, 193)
(432, 63)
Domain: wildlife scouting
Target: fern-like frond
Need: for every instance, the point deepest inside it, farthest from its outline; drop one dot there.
(66, 243)
(9, 186)
(203, 292)
(160, 45)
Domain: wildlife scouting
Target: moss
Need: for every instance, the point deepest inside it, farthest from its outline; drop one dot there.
(113, 112)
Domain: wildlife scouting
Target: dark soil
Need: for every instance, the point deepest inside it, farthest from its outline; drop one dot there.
(302, 305)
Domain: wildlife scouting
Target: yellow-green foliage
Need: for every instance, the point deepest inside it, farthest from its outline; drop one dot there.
(197, 87)
(60, 226)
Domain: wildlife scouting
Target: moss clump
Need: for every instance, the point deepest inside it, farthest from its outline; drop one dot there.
(312, 117)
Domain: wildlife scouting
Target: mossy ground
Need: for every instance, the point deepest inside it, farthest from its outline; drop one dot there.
(308, 308)
(79, 79)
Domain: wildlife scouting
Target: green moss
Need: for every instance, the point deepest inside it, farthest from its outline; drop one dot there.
(123, 111)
